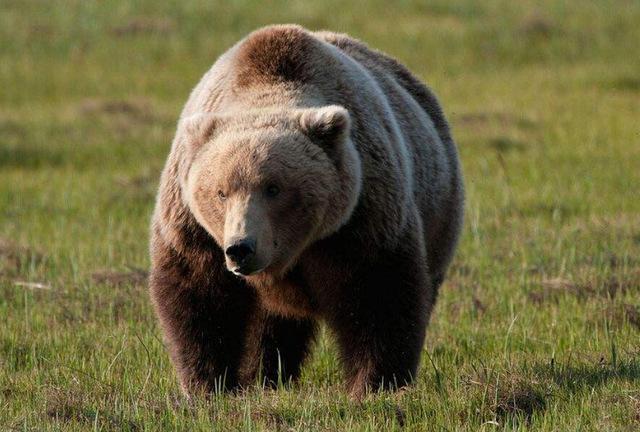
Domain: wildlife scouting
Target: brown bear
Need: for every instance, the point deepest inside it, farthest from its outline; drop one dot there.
(311, 179)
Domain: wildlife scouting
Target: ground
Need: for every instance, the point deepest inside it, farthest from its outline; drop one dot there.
(538, 324)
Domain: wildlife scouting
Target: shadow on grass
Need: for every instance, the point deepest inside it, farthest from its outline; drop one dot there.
(16, 151)
(588, 376)
(623, 83)
(25, 156)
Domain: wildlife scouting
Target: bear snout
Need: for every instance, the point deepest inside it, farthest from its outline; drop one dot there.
(241, 256)
(241, 250)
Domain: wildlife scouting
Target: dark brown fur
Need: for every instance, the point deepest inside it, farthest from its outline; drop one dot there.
(274, 57)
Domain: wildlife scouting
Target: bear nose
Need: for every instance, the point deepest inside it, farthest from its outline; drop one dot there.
(241, 251)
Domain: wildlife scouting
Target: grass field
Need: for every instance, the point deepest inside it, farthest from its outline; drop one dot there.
(538, 324)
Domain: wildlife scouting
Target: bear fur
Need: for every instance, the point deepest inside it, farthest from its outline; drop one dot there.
(339, 166)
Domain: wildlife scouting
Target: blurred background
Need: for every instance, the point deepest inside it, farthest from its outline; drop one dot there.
(538, 324)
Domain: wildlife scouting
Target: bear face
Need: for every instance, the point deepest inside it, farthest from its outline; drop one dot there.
(267, 185)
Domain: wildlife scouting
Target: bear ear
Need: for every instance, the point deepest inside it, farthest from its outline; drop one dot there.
(199, 127)
(327, 124)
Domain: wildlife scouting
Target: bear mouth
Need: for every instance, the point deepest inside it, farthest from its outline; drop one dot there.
(246, 270)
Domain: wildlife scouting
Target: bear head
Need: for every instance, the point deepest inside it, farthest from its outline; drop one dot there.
(267, 184)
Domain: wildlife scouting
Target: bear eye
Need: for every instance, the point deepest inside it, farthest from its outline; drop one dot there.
(221, 195)
(272, 190)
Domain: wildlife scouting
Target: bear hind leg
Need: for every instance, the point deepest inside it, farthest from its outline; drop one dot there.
(284, 345)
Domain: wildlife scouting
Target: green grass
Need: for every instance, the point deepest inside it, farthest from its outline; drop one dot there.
(538, 324)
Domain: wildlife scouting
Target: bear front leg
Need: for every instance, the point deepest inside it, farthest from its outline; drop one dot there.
(381, 322)
(203, 311)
